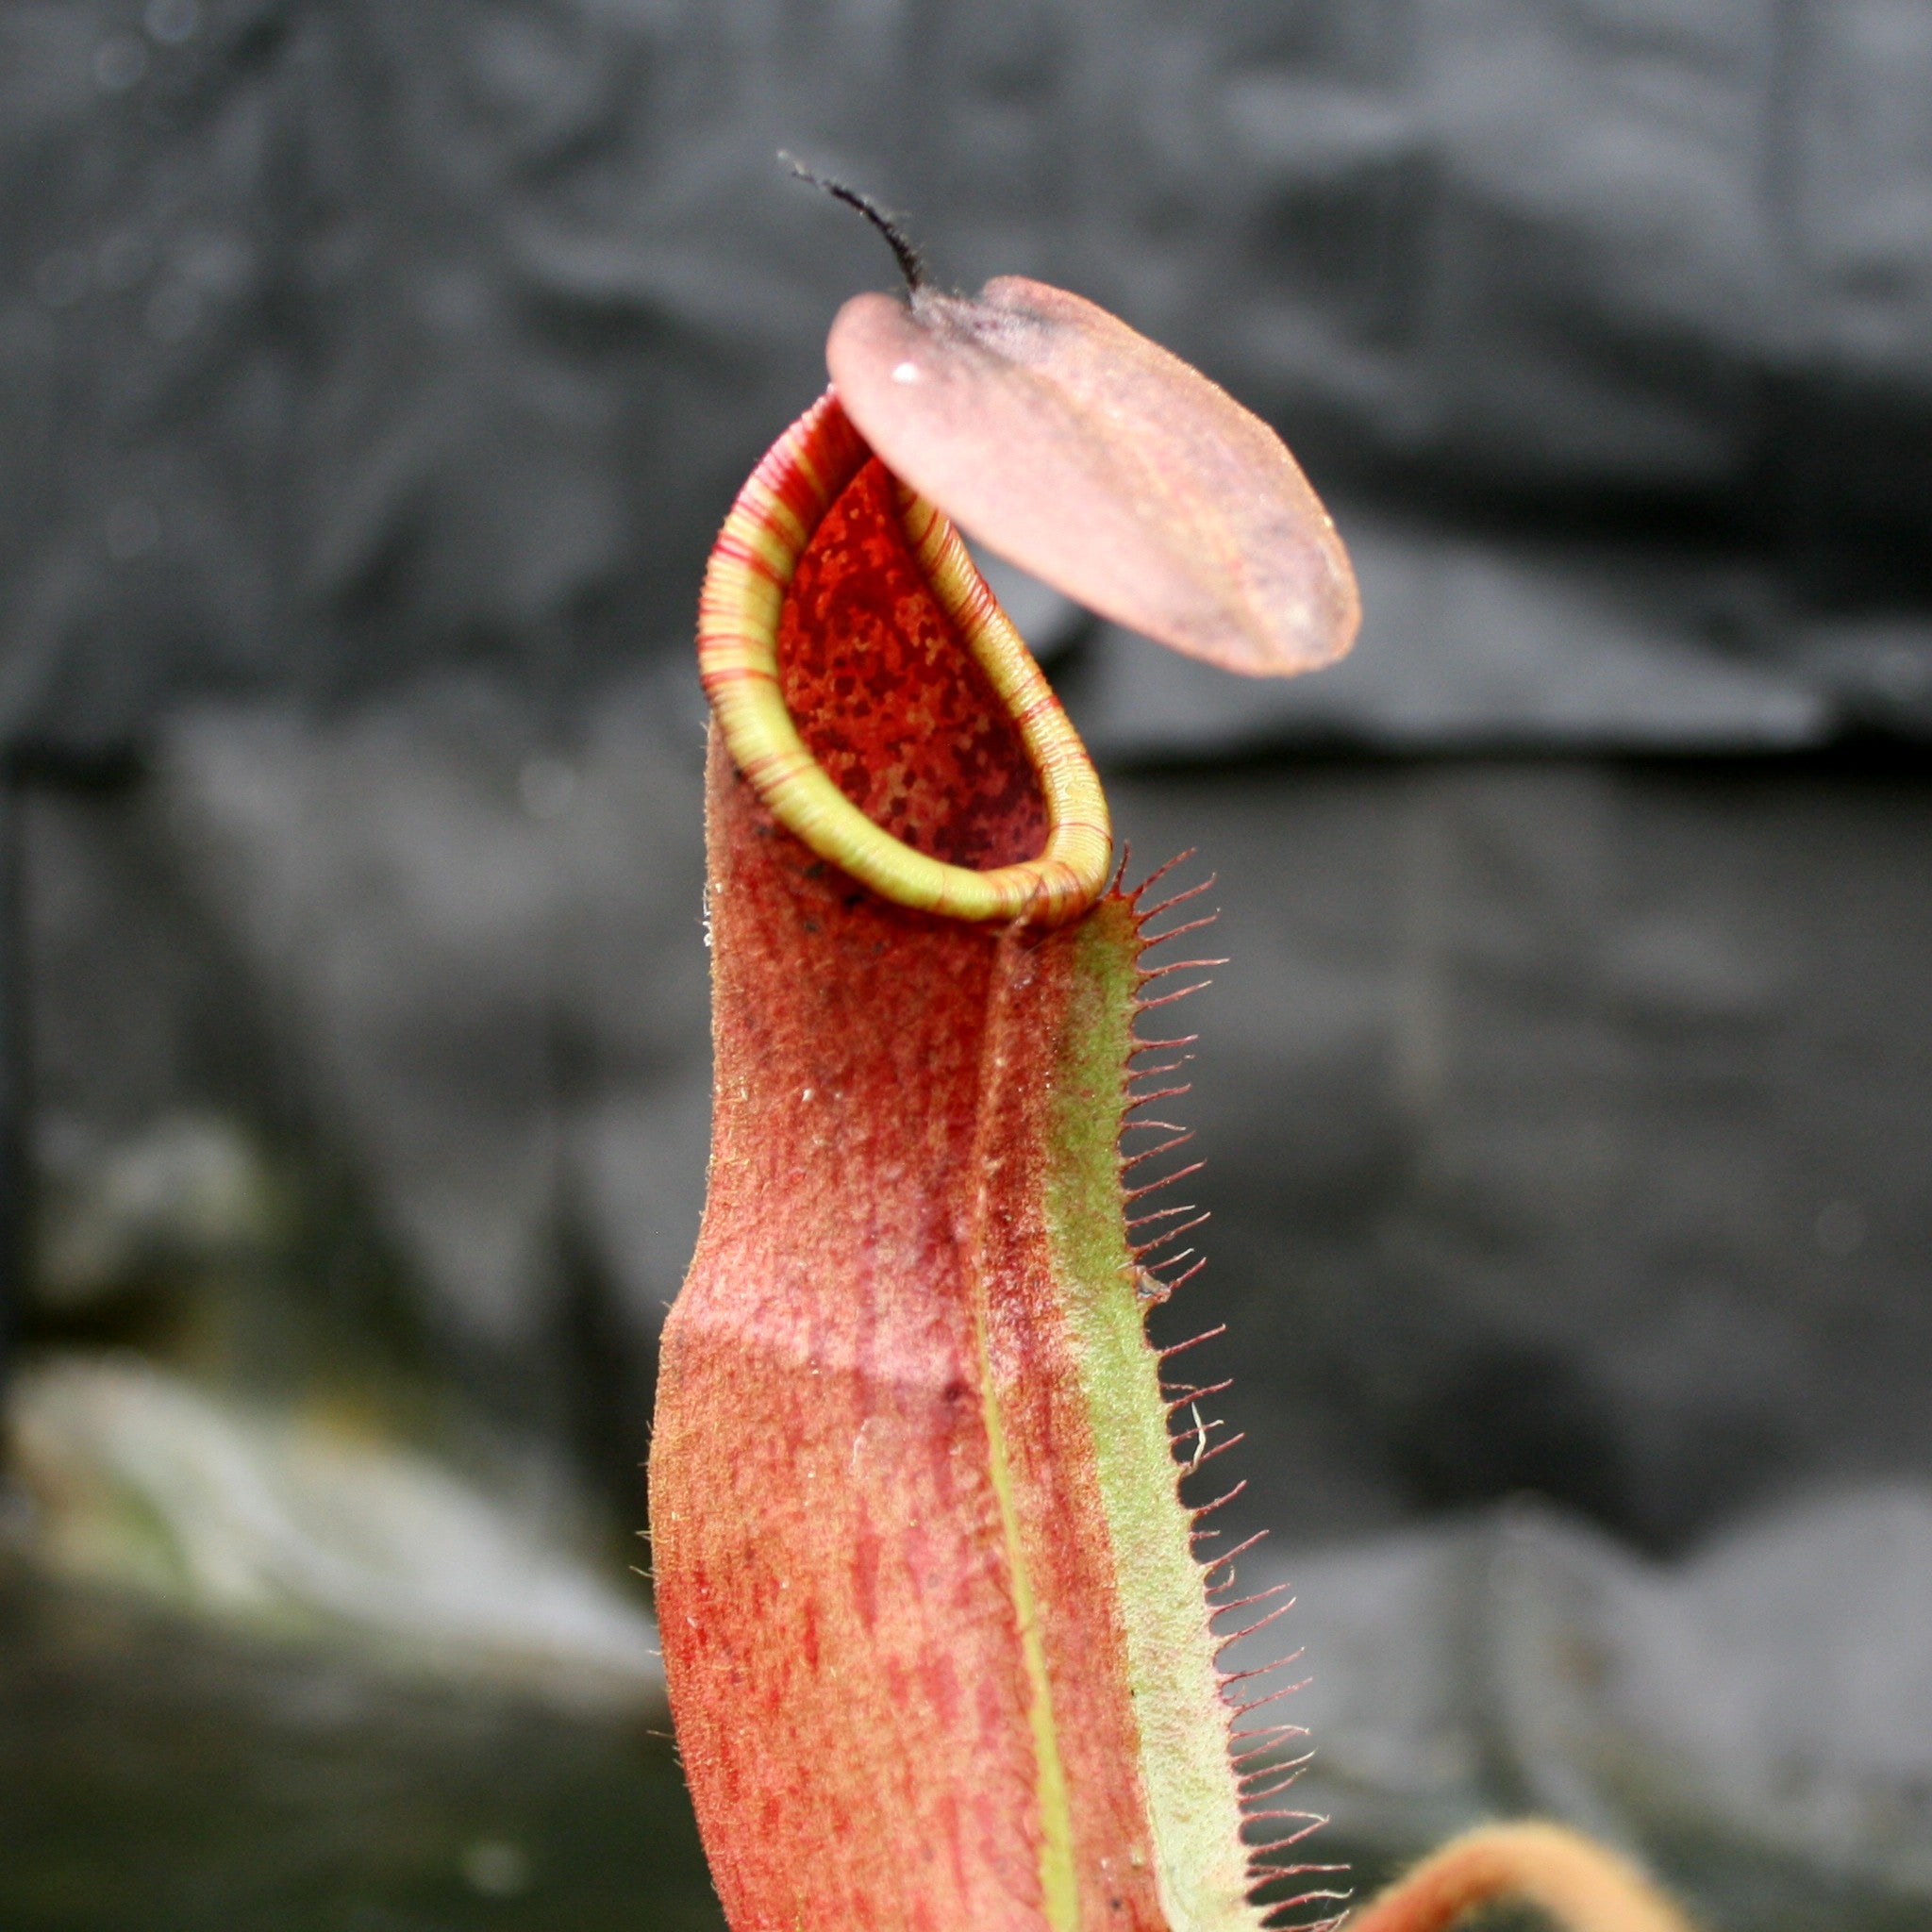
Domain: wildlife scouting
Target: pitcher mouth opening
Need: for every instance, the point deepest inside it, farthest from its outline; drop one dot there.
(757, 554)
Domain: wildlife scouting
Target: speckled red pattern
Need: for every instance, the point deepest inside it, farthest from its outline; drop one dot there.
(846, 1676)
(887, 698)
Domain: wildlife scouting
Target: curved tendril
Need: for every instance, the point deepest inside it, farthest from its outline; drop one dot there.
(750, 568)
(1582, 1885)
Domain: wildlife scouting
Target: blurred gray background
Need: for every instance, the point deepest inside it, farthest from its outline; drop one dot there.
(373, 380)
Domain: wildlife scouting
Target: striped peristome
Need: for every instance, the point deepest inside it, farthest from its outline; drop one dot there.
(752, 563)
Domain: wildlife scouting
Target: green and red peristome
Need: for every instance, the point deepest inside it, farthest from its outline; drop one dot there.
(937, 1642)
